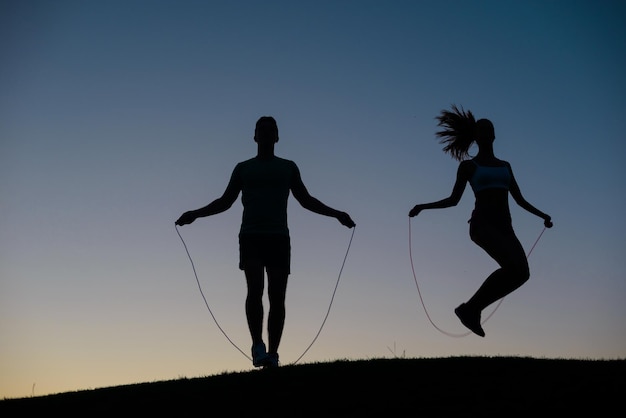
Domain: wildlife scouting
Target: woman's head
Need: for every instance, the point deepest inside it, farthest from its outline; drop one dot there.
(460, 130)
(484, 131)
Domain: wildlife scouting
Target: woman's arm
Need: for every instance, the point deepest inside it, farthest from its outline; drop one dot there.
(462, 176)
(516, 194)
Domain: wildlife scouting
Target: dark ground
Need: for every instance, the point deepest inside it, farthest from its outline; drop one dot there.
(437, 387)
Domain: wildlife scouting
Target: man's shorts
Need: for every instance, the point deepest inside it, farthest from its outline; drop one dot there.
(272, 251)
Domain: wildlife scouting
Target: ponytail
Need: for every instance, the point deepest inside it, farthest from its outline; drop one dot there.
(457, 134)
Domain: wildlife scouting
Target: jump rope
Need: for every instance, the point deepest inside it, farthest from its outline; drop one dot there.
(450, 334)
(226, 335)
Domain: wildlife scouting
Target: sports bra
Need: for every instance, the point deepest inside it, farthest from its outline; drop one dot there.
(486, 177)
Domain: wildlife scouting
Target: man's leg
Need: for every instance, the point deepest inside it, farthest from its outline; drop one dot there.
(276, 291)
(254, 302)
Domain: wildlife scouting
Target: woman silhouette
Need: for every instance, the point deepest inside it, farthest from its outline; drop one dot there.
(491, 180)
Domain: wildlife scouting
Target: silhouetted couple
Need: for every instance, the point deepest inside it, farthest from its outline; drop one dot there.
(266, 180)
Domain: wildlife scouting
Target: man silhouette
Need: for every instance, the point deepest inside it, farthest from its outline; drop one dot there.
(265, 182)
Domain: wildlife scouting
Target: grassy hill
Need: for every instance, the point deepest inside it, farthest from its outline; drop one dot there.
(398, 387)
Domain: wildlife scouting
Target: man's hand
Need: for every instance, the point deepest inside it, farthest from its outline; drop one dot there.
(186, 218)
(346, 220)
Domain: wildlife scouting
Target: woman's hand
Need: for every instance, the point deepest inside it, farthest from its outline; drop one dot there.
(415, 211)
(547, 222)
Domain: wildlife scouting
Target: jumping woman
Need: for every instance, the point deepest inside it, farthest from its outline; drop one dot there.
(491, 228)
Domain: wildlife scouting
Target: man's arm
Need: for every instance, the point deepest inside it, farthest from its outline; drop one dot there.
(302, 195)
(217, 206)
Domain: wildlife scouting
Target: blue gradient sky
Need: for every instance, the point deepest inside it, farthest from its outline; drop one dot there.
(118, 116)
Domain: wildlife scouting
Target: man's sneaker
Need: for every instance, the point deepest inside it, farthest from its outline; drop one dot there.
(470, 318)
(271, 361)
(259, 355)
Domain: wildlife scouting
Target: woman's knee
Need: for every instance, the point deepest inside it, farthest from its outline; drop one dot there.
(519, 272)
(524, 276)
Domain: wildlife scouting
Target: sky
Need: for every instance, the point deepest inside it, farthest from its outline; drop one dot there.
(119, 116)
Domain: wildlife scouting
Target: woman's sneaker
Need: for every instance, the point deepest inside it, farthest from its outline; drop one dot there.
(470, 318)
(259, 355)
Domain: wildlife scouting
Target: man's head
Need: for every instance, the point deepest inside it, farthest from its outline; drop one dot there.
(266, 129)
